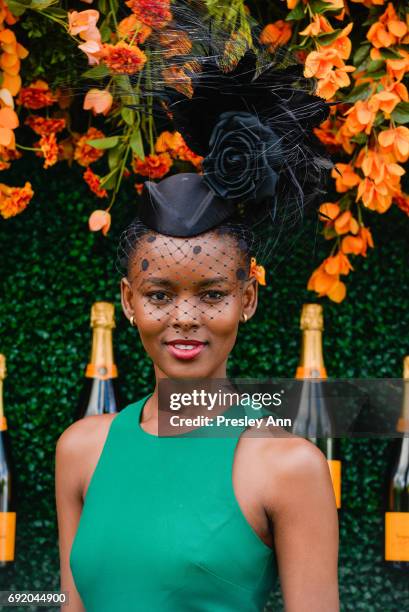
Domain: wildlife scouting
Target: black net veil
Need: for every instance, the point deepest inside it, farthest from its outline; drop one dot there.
(189, 268)
(250, 114)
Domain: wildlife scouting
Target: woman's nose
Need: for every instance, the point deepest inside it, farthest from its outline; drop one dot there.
(185, 312)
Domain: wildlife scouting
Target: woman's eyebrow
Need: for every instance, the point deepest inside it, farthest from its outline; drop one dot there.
(165, 282)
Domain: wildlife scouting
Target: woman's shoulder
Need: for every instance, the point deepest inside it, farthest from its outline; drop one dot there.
(293, 468)
(82, 439)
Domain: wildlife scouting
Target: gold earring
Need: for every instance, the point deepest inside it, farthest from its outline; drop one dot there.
(244, 317)
(132, 321)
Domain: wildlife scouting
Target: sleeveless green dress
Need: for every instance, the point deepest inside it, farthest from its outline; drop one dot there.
(161, 529)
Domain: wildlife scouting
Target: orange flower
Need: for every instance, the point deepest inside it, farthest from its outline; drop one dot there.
(94, 183)
(385, 101)
(93, 50)
(357, 245)
(98, 100)
(139, 188)
(42, 126)
(346, 223)
(342, 44)
(7, 155)
(337, 264)
(153, 13)
(84, 23)
(387, 30)
(153, 166)
(123, 58)
(396, 68)
(100, 220)
(13, 200)
(328, 211)
(360, 118)
(66, 149)
(276, 34)
(37, 95)
(395, 140)
(49, 149)
(326, 284)
(169, 142)
(346, 178)
(374, 197)
(8, 123)
(131, 28)
(319, 25)
(257, 271)
(320, 63)
(377, 166)
(85, 154)
(174, 144)
(174, 42)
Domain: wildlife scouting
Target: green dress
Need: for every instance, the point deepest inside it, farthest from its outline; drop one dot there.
(161, 529)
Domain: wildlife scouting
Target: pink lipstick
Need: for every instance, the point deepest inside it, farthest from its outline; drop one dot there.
(185, 349)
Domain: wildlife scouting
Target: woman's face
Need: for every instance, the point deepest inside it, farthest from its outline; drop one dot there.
(188, 292)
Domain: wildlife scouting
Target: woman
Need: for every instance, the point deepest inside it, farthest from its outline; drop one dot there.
(187, 522)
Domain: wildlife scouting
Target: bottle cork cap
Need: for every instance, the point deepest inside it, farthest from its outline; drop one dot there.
(312, 317)
(103, 315)
(406, 367)
(3, 370)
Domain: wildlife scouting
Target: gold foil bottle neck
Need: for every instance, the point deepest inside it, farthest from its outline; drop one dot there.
(406, 367)
(3, 371)
(312, 317)
(103, 315)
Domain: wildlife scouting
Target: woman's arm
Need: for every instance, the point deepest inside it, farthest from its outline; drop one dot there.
(301, 504)
(69, 505)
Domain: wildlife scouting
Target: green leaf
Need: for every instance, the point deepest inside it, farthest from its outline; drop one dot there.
(400, 113)
(360, 54)
(360, 138)
(297, 13)
(104, 143)
(389, 53)
(96, 72)
(18, 7)
(328, 37)
(114, 156)
(136, 143)
(318, 6)
(56, 12)
(359, 92)
(128, 115)
(374, 65)
(40, 5)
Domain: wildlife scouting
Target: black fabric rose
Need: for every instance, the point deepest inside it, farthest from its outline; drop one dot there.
(243, 159)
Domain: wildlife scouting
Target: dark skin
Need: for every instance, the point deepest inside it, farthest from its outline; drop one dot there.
(281, 482)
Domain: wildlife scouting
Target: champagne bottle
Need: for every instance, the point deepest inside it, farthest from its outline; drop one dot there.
(7, 495)
(100, 393)
(396, 527)
(313, 420)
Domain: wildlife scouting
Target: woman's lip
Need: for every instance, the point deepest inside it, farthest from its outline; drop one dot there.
(185, 353)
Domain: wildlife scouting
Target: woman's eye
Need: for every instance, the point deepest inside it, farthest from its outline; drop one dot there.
(158, 296)
(214, 294)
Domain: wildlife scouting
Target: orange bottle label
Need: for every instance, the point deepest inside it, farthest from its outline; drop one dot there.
(102, 372)
(3, 423)
(335, 471)
(397, 536)
(7, 535)
(303, 372)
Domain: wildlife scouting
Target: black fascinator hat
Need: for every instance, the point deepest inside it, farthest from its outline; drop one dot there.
(251, 119)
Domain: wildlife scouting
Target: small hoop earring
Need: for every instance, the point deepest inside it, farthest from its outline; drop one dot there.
(132, 321)
(245, 317)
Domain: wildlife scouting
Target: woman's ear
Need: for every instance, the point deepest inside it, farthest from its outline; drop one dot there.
(250, 297)
(126, 297)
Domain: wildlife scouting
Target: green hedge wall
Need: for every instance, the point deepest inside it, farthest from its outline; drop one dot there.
(53, 269)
